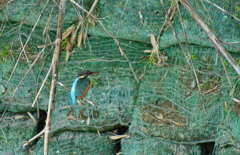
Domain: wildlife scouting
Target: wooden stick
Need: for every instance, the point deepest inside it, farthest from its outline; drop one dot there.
(56, 57)
(35, 137)
(211, 35)
(43, 83)
(88, 101)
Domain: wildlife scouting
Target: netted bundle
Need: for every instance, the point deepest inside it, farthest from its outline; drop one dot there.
(113, 91)
(15, 129)
(173, 99)
(155, 145)
(77, 143)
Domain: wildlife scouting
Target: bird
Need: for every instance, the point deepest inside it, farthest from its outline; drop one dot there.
(81, 85)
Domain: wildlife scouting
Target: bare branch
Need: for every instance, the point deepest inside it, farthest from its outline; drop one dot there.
(55, 74)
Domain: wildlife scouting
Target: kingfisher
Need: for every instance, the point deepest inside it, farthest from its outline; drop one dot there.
(81, 85)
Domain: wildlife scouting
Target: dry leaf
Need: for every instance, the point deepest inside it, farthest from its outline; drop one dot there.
(69, 46)
(68, 32)
(160, 116)
(80, 39)
(73, 37)
(117, 137)
(236, 100)
(147, 51)
(67, 55)
(153, 42)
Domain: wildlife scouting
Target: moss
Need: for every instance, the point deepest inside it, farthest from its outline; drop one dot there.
(4, 52)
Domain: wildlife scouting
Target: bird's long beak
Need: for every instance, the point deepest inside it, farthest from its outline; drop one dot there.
(89, 73)
(94, 73)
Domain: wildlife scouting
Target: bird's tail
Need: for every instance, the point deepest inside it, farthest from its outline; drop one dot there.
(74, 100)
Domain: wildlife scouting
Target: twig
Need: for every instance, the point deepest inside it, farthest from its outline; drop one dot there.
(4, 135)
(115, 39)
(211, 90)
(230, 44)
(33, 119)
(211, 35)
(7, 3)
(58, 82)
(225, 69)
(92, 7)
(55, 74)
(15, 90)
(50, 44)
(88, 101)
(44, 81)
(35, 137)
(222, 10)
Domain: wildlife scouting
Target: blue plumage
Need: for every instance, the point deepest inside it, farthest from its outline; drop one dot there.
(80, 85)
(72, 93)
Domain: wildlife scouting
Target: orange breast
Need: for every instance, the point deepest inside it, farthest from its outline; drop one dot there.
(85, 91)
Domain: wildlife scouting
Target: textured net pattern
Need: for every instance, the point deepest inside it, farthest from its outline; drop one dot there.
(15, 129)
(165, 111)
(78, 143)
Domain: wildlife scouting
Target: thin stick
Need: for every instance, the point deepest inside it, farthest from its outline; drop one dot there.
(6, 3)
(88, 101)
(55, 74)
(58, 82)
(50, 44)
(222, 10)
(226, 72)
(35, 137)
(92, 7)
(15, 90)
(44, 81)
(33, 119)
(211, 35)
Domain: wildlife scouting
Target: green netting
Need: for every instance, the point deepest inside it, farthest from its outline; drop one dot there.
(15, 129)
(164, 112)
(123, 19)
(137, 145)
(68, 143)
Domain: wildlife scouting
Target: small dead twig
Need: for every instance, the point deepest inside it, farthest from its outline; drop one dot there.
(222, 10)
(92, 7)
(44, 81)
(4, 135)
(58, 82)
(88, 101)
(35, 137)
(50, 44)
(225, 69)
(211, 90)
(116, 137)
(33, 119)
(7, 3)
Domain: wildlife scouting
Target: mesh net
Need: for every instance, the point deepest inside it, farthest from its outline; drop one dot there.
(78, 143)
(15, 129)
(165, 111)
